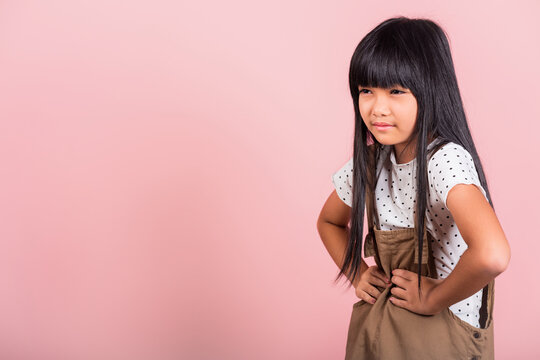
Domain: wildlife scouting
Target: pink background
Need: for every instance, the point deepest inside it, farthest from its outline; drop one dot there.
(164, 164)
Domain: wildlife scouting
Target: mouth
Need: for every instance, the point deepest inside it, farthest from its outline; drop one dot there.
(382, 126)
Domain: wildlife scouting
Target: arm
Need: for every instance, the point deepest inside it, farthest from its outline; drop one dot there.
(332, 226)
(488, 252)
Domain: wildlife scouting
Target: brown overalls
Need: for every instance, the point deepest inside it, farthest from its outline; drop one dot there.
(388, 332)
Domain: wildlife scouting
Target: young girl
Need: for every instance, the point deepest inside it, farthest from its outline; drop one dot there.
(432, 229)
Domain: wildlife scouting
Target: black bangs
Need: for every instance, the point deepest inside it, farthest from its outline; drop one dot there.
(388, 56)
(382, 68)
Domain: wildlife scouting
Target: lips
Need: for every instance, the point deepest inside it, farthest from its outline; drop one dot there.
(382, 126)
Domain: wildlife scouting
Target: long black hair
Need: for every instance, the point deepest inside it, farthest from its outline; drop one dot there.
(415, 54)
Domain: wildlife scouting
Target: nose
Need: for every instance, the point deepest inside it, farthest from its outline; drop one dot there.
(380, 107)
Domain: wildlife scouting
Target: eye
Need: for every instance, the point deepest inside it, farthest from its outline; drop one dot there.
(365, 91)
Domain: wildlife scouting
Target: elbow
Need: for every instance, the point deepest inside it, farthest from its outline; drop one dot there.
(320, 223)
(498, 260)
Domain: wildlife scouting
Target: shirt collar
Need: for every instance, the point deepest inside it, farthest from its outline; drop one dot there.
(393, 157)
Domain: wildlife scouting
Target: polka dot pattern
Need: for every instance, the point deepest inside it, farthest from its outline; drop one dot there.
(451, 165)
(342, 181)
(396, 201)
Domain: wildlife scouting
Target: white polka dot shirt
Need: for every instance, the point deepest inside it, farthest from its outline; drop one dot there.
(396, 199)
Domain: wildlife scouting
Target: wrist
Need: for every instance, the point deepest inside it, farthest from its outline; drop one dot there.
(363, 267)
(434, 301)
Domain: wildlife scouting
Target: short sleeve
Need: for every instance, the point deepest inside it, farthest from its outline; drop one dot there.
(452, 164)
(342, 180)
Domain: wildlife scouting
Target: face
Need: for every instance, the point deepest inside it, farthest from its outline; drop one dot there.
(394, 109)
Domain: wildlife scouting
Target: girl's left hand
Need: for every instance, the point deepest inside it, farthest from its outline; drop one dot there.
(405, 294)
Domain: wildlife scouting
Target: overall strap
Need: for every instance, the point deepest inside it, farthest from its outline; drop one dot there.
(369, 240)
(370, 194)
(486, 310)
(370, 245)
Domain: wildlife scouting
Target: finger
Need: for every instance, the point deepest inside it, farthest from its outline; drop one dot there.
(372, 292)
(406, 274)
(379, 280)
(400, 280)
(399, 293)
(366, 297)
(367, 292)
(382, 276)
(398, 302)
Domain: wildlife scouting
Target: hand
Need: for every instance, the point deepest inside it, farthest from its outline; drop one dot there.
(365, 289)
(406, 292)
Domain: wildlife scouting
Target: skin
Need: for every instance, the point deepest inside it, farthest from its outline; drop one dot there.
(488, 252)
(396, 106)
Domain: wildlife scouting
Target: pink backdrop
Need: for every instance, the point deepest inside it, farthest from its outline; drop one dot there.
(164, 164)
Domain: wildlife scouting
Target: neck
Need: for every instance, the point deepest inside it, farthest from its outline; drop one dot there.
(405, 153)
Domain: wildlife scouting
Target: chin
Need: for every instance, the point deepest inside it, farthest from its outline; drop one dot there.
(385, 140)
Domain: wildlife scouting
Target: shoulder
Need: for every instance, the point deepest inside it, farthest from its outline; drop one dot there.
(449, 158)
(348, 166)
(450, 165)
(347, 169)
(449, 152)
(342, 180)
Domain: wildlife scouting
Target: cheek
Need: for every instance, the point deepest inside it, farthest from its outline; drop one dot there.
(364, 113)
(408, 115)
(362, 108)
(413, 109)
(412, 118)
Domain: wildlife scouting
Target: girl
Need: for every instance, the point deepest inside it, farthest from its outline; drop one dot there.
(432, 229)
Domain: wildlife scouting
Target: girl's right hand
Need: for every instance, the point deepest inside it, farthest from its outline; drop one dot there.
(365, 289)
